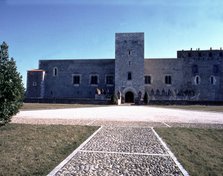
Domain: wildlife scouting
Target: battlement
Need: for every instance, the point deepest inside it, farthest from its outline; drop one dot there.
(136, 36)
(211, 53)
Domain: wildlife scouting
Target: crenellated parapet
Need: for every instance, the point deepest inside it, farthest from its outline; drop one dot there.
(201, 54)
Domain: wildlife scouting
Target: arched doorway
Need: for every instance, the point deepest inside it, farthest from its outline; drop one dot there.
(129, 97)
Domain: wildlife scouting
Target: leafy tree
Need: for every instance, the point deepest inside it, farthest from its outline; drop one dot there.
(11, 87)
(145, 98)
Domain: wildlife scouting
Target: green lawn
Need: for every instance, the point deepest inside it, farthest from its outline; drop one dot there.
(192, 107)
(200, 151)
(37, 149)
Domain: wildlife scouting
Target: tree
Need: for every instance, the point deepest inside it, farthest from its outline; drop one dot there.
(145, 98)
(11, 87)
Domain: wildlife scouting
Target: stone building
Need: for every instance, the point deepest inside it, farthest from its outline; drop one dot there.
(195, 75)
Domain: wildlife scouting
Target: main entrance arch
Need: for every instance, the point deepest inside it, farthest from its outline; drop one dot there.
(129, 97)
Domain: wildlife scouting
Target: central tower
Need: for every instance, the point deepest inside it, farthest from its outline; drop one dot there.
(129, 65)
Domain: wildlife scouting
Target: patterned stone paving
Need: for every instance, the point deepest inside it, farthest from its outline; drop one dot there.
(120, 139)
(85, 163)
(125, 151)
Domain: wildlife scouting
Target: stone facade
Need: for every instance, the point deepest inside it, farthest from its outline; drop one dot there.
(129, 64)
(195, 75)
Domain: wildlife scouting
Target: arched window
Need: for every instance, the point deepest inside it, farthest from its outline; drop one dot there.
(212, 80)
(55, 71)
(197, 80)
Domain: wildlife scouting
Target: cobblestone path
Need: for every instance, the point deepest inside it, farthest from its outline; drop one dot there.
(121, 151)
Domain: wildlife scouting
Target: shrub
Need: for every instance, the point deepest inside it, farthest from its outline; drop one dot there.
(11, 87)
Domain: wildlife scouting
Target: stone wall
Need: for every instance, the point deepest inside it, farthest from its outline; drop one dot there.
(129, 58)
(157, 69)
(35, 83)
(61, 85)
(209, 64)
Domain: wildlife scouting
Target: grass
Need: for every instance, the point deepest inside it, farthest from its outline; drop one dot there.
(39, 106)
(37, 149)
(200, 151)
(193, 107)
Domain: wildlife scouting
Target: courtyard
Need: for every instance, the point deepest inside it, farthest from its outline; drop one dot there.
(127, 142)
(120, 115)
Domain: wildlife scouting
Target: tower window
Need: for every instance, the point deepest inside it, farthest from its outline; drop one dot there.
(148, 79)
(129, 52)
(220, 54)
(55, 71)
(215, 69)
(212, 80)
(94, 80)
(194, 69)
(189, 54)
(168, 79)
(197, 80)
(34, 84)
(76, 79)
(129, 76)
(109, 80)
(210, 54)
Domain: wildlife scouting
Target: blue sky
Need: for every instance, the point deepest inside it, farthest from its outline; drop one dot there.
(57, 29)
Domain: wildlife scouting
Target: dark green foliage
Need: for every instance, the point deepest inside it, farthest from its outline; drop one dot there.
(11, 87)
(145, 98)
(114, 99)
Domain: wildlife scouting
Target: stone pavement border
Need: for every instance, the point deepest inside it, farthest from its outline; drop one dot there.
(81, 149)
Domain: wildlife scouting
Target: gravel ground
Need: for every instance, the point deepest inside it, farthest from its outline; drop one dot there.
(121, 151)
(124, 114)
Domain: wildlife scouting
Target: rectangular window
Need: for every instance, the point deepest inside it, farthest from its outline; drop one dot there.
(129, 76)
(168, 79)
(76, 79)
(215, 69)
(94, 79)
(147, 79)
(195, 69)
(109, 80)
